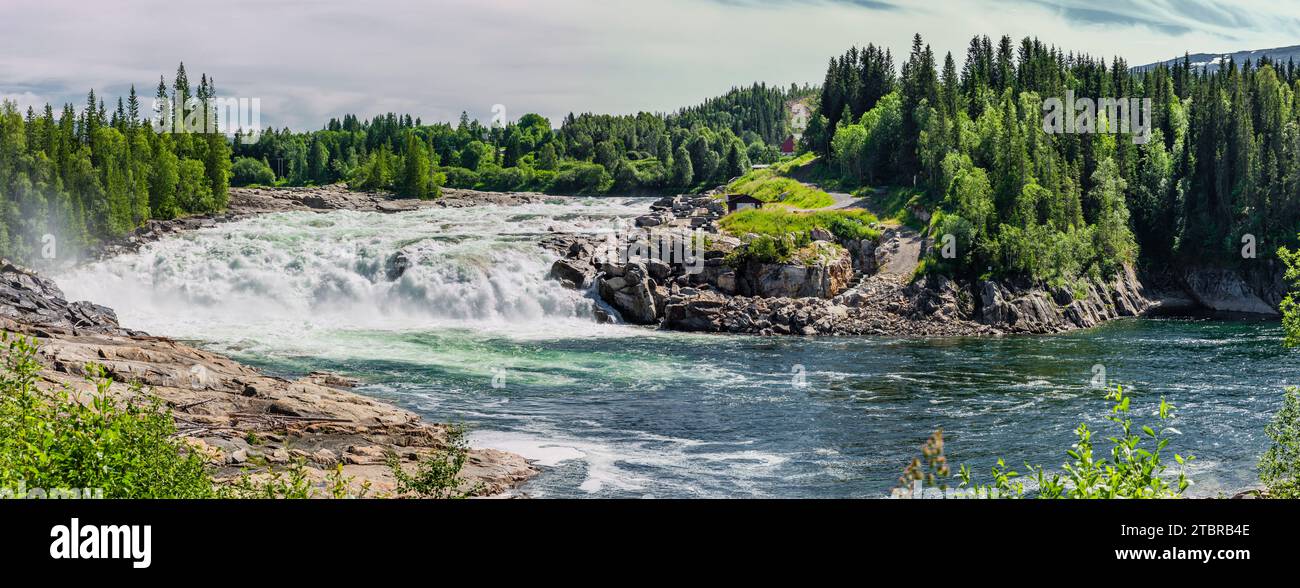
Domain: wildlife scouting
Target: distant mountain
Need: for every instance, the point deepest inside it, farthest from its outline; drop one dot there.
(1212, 61)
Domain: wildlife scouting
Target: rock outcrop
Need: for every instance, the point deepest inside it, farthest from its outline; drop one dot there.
(1231, 290)
(632, 292)
(826, 274)
(1035, 309)
(37, 301)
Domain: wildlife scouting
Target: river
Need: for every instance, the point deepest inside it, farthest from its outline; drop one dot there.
(472, 331)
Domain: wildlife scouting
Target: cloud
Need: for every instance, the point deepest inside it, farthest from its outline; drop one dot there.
(312, 60)
(868, 4)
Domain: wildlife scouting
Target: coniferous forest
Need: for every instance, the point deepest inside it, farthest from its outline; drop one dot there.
(87, 175)
(1223, 162)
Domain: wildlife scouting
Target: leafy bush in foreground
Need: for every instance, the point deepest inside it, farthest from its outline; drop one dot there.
(437, 475)
(1134, 468)
(50, 440)
(1279, 467)
(58, 441)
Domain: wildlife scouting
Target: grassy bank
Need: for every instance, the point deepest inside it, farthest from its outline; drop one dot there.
(771, 185)
(778, 222)
(784, 236)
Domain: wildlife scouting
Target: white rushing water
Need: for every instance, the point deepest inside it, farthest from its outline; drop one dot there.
(477, 268)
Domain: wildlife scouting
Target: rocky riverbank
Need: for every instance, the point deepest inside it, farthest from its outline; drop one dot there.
(836, 287)
(243, 420)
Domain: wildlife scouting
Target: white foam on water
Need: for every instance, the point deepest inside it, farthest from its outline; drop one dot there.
(287, 277)
(609, 464)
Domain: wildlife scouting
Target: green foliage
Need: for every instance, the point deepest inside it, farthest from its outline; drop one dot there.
(1279, 467)
(636, 153)
(1221, 161)
(683, 172)
(778, 222)
(377, 173)
(437, 475)
(1134, 467)
(247, 171)
(768, 249)
(898, 205)
(866, 151)
(87, 176)
(416, 180)
(290, 485)
(581, 178)
(769, 185)
(61, 440)
(1290, 306)
(193, 193)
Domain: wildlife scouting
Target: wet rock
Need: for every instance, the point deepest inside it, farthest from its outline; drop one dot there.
(631, 294)
(573, 275)
(31, 298)
(396, 265)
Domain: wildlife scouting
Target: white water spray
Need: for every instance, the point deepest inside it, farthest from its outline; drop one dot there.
(476, 268)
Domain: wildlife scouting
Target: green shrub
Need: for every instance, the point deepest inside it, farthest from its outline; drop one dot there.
(766, 249)
(503, 179)
(1133, 469)
(290, 484)
(459, 177)
(56, 440)
(1279, 467)
(437, 475)
(1290, 306)
(581, 178)
(247, 171)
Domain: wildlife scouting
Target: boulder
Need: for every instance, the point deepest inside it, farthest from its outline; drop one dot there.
(28, 297)
(572, 275)
(396, 265)
(632, 294)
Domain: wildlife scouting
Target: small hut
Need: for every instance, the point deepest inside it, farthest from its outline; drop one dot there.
(737, 202)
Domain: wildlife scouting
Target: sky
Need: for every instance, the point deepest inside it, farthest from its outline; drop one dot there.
(309, 60)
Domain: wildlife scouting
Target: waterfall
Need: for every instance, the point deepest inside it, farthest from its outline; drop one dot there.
(434, 267)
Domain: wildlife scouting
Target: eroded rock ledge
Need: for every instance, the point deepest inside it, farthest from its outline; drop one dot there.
(242, 419)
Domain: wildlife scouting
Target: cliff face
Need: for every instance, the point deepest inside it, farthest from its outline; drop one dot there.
(1042, 310)
(1253, 290)
(825, 276)
(220, 405)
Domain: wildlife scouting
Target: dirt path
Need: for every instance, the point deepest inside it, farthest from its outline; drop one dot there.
(905, 251)
(843, 201)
